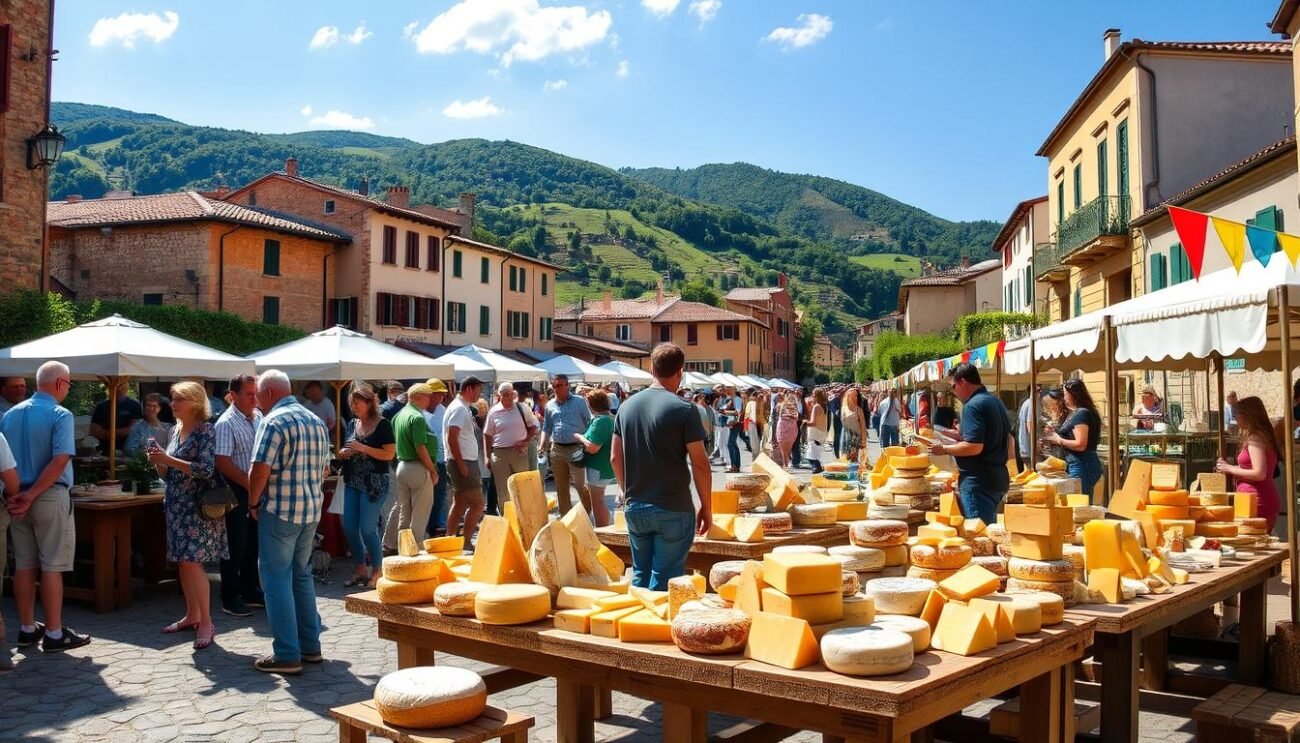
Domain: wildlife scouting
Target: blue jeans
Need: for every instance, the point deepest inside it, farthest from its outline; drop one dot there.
(441, 502)
(889, 437)
(733, 446)
(1087, 467)
(980, 500)
(660, 541)
(361, 525)
(285, 567)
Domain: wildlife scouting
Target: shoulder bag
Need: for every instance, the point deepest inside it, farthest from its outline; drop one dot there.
(216, 500)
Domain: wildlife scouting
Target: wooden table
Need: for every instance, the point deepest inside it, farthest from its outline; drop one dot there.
(108, 524)
(1126, 632)
(843, 708)
(705, 553)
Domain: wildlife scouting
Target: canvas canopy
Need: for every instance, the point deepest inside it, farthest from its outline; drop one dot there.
(337, 354)
(757, 382)
(491, 366)
(633, 376)
(578, 370)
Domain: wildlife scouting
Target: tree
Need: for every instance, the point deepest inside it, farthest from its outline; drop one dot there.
(698, 291)
(604, 273)
(540, 241)
(632, 289)
(862, 370)
(805, 344)
(575, 241)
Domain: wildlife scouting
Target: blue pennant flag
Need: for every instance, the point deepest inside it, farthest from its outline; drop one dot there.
(1263, 243)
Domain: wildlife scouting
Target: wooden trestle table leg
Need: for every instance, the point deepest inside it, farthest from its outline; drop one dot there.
(575, 718)
(104, 538)
(683, 723)
(1119, 689)
(1251, 635)
(410, 655)
(604, 703)
(1053, 694)
(1155, 660)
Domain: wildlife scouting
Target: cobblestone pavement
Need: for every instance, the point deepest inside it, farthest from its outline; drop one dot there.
(134, 684)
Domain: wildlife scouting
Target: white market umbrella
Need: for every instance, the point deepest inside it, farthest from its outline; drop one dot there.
(753, 381)
(503, 368)
(635, 377)
(578, 370)
(114, 349)
(731, 380)
(696, 380)
(465, 367)
(784, 384)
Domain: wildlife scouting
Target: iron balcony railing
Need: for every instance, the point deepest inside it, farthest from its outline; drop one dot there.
(1107, 215)
(1047, 257)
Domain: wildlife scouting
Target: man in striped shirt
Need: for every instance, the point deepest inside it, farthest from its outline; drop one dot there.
(290, 456)
(236, 431)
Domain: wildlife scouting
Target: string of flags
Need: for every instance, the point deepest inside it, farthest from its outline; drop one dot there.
(1193, 228)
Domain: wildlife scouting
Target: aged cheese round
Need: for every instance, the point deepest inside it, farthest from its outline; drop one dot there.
(908, 485)
(714, 601)
(1084, 514)
(795, 549)
(858, 559)
(1252, 526)
(414, 568)
(900, 595)
(773, 523)
(1055, 571)
(1075, 554)
(512, 603)
(1064, 589)
(1052, 605)
(750, 500)
(1026, 615)
(721, 572)
(995, 564)
(998, 533)
(859, 608)
(405, 592)
(694, 605)
(916, 571)
(895, 556)
(914, 627)
(889, 571)
(711, 631)
(748, 481)
(1216, 529)
(1167, 498)
(1218, 513)
(878, 533)
(893, 511)
(983, 546)
(950, 557)
(911, 462)
(850, 584)
(866, 651)
(457, 599)
(430, 697)
(814, 514)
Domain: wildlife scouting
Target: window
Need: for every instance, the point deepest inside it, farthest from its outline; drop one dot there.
(390, 246)
(591, 330)
(153, 300)
(1029, 287)
(484, 320)
(271, 310)
(456, 317)
(329, 206)
(523, 279)
(728, 331)
(1270, 218)
(412, 249)
(544, 287)
(623, 332)
(514, 279)
(342, 311)
(1102, 186)
(485, 270)
(546, 329)
(692, 335)
(706, 367)
(519, 323)
(456, 263)
(1078, 185)
(1078, 302)
(434, 312)
(1060, 203)
(869, 330)
(1121, 157)
(1159, 276)
(665, 333)
(1180, 268)
(271, 257)
(433, 249)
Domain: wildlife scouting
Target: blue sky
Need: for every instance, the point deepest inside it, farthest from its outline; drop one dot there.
(940, 104)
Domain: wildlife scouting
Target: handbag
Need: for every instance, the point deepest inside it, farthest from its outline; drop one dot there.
(216, 500)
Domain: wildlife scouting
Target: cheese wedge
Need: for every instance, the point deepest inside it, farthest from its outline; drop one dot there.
(933, 608)
(748, 530)
(605, 624)
(723, 527)
(1106, 582)
(575, 620)
(1001, 622)
(963, 630)
(787, 642)
(725, 501)
(970, 582)
(644, 626)
(748, 595)
(498, 556)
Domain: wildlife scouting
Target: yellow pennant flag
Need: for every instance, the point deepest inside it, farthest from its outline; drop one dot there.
(1233, 237)
(1290, 246)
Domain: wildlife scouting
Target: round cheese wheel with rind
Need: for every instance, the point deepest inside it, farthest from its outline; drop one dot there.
(457, 599)
(938, 576)
(914, 627)
(998, 533)
(1052, 604)
(405, 591)
(1084, 514)
(814, 514)
(908, 485)
(878, 533)
(1075, 554)
(711, 631)
(951, 557)
(910, 462)
(860, 562)
(748, 481)
(1055, 571)
(895, 556)
(409, 569)
(751, 500)
(892, 511)
(774, 523)
(1064, 589)
(694, 605)
(859, 608)
(430, 697)
(900, 595)
(714, 601)
(995, 564)
(799, 549)
(983, 546)
(867, 651)
(721, 572)
(850, 583)
(512, 603)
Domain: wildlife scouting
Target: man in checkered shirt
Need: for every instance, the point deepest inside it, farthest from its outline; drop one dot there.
(290, 457)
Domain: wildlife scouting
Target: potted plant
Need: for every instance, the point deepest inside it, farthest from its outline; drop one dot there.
(138, 470)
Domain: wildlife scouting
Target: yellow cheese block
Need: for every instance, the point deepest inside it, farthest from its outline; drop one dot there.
(728, 590)
(1106, 582)
(878, 479)
(963, 630)
(617, 601)
(748, 530)
(611, 562)
(1135, 565)
(1186, 527)
(748, 596)
(936, 531)
(1216, 529)
(444, 544)
(1161, 513)
(948, 504)
(1001, 622)
(800, 574)
(1216, 499)
(894, 451)
(817, 608)
(513, 603)
(780, 488)
(935, 517)
(605, 624)
(575, 620)
(527, 493)
(1101, 545)
(684, 588)
(1180, 576)
(786, 642)
(973, 527)
(644, 626)
(1034, 547)
(498, 556)
(929, 541)
(725, 501)
(571, 597)
(911, 462)
(1044, 522)
(970, 582)
(1222, 512)
(1074, 500)
(1025, 616)
(852, 511)
(406, 546)
(1167, 498)
(1160, 569)
(1244, 505)
(1165, 476)
(933, 608)
(723, 527)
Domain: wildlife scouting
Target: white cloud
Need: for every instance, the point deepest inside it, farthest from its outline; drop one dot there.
(513, 30)
(128, 28)
(661, 8)
(327, 36)
(339, 120)
(555, 85)
(623, 70)
(359, 34)
(306, 110)
(408, 31)
(705, 10)
(812, 28)
(481, 108)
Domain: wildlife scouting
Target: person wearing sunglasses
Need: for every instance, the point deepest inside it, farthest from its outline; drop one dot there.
(984, 448)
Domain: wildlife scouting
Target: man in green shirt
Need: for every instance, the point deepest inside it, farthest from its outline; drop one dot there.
(417, 451)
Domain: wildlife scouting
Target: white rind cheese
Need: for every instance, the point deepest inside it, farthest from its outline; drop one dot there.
(900, 595)
(430, 697)
(867, 651)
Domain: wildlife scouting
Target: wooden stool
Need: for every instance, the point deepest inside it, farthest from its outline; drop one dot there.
(358, 720)
(1271, 716)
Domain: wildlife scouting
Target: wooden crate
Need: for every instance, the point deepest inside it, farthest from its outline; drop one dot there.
(1271, 717)
(1004, 719)
(358, 720)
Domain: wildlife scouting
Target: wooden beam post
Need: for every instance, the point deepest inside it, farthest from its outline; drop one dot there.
(1217, 360)
(1112, 411)
(1288, 445)
(338, 413)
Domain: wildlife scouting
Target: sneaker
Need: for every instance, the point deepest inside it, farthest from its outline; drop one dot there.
(235, 607)
(68, 641)
(28, 639)
(313, 658)
(256, 602)
(268, 664)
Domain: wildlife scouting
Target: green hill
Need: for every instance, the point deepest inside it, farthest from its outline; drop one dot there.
(63, 114)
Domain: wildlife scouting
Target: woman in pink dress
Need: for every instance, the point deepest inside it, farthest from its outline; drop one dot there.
(1257, 460)
(787, 427)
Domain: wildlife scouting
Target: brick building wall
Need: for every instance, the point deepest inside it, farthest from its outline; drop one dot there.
(23, 191)
(305, 274)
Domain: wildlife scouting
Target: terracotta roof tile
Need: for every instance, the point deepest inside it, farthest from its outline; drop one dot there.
(1275, 150)
(954, 276)
(601, 345)
(502, 251)
(753, 293)
(673, 309)
(683, 311)
(1009, 228)
(371, 201)
(187, 206)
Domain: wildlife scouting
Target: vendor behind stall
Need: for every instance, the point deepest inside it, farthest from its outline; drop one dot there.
(984, 448)
(1150, 410)
(1256, 465)
(1079, 436)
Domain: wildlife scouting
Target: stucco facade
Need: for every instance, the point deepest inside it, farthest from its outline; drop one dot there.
(931, 304)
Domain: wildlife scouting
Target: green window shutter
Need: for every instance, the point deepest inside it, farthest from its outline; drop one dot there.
(523, 279)
(1121, 156)
(544, 278)
(514, 278)
(271, 310)
(484, 320)
(485, 270)
(271, 258)
(1102, 185)
(1180, 268)
(1159, 278)
(1060, 204)
(1078, 185)
(456, 260)
(1078, 302)
(460, 323)
(1268, 218)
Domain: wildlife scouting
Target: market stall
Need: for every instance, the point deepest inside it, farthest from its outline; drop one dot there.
(705, 552)
(634, 377)
(492, 367)
(579, 371)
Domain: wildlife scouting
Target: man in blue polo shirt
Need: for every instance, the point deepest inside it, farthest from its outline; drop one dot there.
(985, 447)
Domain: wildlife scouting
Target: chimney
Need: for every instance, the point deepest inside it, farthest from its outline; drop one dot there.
(399, 196)
(659, 292)
(607, 304)
(364, 188)
(782, 280)
(965, 262)
(291, 167)
(1110, 42)
(468, 201)
(73, 198)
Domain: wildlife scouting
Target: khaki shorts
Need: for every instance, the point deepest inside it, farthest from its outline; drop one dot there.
(46, 537)
(465, 487)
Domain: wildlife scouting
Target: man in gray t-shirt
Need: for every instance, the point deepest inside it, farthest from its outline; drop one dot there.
(654, 434)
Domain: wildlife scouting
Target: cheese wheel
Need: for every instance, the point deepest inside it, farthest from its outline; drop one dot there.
(1218, 513)
(512, 603)
(1054, 571)
(405, 592)
(814, 514)
(998, 533)
(892, 511)
(859, 609)
(910, 473)
(867, 651)
(444, 545)
(1026, 615)
(858, 559)
(415, 568)
(748, 481)
(1076, 555)
(878, 533)
(1216, 529)
(995, 564)
(430, 697)
(895, 557)
(983, 546)
(890, 571)
(773, 523)
(1161, 513)
(457, 599)
(1254, 525)
(714, 601)
(914, 627)
(1063, 589)
(900, 595)
(941, 558)
(1052, 605)
(911, 462)
(1167, 498)
(795, 549)
(916, 571)
(849, 583)
(721, 572)
(1084, 514)
(711, 631)
(908, 486)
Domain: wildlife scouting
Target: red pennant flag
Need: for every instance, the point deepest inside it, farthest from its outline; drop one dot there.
(965, 356)
(1191, 227)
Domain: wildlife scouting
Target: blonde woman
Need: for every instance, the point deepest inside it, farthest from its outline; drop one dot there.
(853, 421)
(187, 466)
(817, 428)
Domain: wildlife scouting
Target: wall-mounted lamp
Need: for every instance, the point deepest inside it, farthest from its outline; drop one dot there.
(44, 149)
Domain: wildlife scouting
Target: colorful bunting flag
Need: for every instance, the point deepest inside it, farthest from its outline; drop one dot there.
(1290, 246)
(1263, 243)
(1191, 228)
(1233, 236)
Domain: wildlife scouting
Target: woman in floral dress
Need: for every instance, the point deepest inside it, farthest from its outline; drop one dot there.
(187, 467)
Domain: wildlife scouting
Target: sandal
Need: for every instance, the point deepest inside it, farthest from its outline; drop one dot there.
(356, 581)
(176, 626)
(202, 642)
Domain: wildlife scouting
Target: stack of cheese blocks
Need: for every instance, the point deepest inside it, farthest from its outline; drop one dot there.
(908, 483)
(1212, 507)
(728, 523)
(750, 489)
(1118, 569)
(1036, 536)
(411, 576)
(888, 537)
(948, 541)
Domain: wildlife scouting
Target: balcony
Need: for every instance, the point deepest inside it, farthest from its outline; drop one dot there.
(1094, 231)
(1047, 263)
